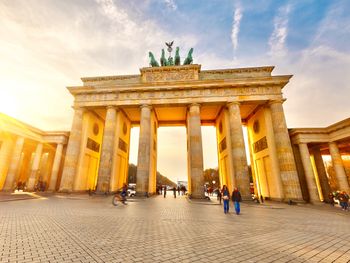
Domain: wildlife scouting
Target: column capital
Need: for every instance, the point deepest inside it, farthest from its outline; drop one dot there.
(194, 104)
(76, 108)
(229, 103)
(146, 106)
(281, 101)
(112, 107)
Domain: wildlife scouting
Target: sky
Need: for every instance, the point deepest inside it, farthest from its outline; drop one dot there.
(46, 45)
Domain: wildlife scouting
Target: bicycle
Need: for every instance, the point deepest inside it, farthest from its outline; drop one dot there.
(118, 197)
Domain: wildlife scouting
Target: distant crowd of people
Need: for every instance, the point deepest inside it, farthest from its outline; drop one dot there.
(343, 198)
(180, 189)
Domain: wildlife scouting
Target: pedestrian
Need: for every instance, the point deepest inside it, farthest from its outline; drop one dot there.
(219, 196)
(343, 200)
(174, 191)
(226, 197)
(178, 190)
(236, 198)
(331, 198)
(164, 191)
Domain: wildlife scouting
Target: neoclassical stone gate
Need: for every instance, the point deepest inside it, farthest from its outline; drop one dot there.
(107, 107)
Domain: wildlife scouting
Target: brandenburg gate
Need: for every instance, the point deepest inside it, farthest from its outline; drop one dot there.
(105, 109)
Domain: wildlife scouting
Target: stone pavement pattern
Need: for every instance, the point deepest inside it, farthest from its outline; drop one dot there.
(65, 228)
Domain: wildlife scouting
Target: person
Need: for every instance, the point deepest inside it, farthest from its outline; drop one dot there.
(236, 198)
(174, 191)
(331, 198)
(178, 190)
(226, 197)
(219, 196)
(343, 200)
(262, 199)
(164, 191)
(124, 192)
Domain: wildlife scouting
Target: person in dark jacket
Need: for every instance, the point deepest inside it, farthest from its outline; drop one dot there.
(219, 196)
(236, 198)
(226, 197)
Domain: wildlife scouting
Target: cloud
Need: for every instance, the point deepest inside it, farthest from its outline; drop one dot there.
(48, 46)
(171, 4)
(237, 16)
(278, 37)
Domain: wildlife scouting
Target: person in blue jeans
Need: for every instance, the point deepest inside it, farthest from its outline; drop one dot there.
(236, 198)
(226, 198)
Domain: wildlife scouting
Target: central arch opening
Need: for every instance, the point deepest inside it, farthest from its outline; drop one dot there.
(172, 166)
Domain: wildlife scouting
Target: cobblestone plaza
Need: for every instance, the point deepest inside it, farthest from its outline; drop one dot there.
(79, 228)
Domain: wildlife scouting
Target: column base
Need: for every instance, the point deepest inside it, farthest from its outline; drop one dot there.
(143, 194)
(316, 203)
(294, 201)
(192, 196)
(65, 191)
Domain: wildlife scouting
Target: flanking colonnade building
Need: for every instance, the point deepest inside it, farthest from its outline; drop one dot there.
(96, 156)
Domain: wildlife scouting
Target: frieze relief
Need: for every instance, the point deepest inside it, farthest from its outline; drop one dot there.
(163, 76)
(171, 94)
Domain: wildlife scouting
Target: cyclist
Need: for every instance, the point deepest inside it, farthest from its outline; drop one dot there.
(124, 193)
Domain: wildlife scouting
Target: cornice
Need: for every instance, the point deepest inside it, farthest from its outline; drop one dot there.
(104, 78)
(325, 130)
(268, 69)
(280, 81)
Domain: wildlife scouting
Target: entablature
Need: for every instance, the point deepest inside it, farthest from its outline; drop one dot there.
(275, 81)
(200, 95)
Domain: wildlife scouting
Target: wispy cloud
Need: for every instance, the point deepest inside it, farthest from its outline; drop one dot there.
(237, 16)
(278, 37)
(171, 4)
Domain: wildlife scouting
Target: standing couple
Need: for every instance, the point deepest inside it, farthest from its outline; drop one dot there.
(236, 198)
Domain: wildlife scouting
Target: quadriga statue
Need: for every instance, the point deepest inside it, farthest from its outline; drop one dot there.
(153, 62)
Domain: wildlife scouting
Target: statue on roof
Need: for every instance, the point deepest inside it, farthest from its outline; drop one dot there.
(169, 45)
(163, 60)
(177, 57)
(170, 61)
(189, 58)
(153, 61)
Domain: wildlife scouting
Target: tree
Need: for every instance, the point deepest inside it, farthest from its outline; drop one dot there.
(161, 179)
(211, 175)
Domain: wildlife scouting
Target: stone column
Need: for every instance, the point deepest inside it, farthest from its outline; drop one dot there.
(73, 151)
(288, 171)
(14, 165)
(143, 159)
(309, 173)
(322, 175)
(338, 166)
(35, 167)
(239, 158)
(195, 151)
(56, 167)
(107, 152)
(275, 170)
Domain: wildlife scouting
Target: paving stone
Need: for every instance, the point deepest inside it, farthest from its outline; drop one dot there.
(65, 229)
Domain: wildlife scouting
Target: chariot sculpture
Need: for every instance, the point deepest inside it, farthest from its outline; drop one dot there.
(170, 61)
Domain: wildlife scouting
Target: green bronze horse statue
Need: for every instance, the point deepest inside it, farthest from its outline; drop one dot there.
(189, 58)
(177, 57)
(153, 62)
